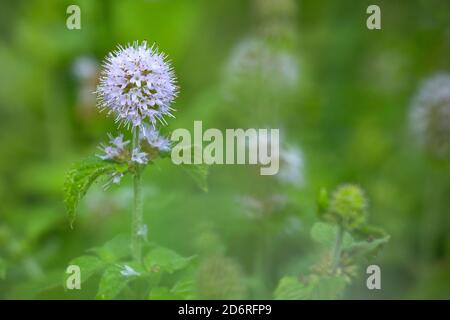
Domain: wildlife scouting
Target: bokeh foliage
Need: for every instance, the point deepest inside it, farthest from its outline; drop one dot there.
(346, 109)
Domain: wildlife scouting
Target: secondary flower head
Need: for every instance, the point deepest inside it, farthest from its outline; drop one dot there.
(139, 157)
(115, 150)
(137, 84)
(150, 135)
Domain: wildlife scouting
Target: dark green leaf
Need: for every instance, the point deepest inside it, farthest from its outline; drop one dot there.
(162, 293)
(366, 248)
(314, 288)
(290, 288)
(89, 265)
(166, 259)
(80, 178)
(115, 279)
(114, 250)
(326, 287)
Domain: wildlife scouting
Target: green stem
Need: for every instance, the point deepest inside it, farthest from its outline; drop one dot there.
(337, 249)
(136, 223)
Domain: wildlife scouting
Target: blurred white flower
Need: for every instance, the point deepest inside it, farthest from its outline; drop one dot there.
(291, 166)
(85, 70)
(139, 156)
(137, 83)
(254, 61)
(253, 208)
(127, 271)
(430, 114)
(154, 139)
(84, 67)
(290, 162)
(260, 207)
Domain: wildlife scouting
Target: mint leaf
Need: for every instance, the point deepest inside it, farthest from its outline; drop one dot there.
(81, 177)
(89, 265)
(290, 288)
(327, 287)
(162, 293)
(325, 234)
(313, 288)
(114, 250)
(166, 259)
(366, 248)
(116, 278)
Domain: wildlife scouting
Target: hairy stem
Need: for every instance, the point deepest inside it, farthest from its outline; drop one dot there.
(337, 249)
(136, 223)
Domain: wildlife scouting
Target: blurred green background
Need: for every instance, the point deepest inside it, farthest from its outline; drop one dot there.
(340, 93)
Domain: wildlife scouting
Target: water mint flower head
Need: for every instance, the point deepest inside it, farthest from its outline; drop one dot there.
(430, 115)
(137, 84)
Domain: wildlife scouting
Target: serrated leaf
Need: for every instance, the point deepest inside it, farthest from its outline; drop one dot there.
(80, 178)
(315, 288)
(325, 234)
(185, 289)
(89, 265)
(111, 284)
(114, 280)
(182, 290)
(290, 288)
(162, 293)
(114, 250)
(369, 232)
(366, 248)
(166, 259)
(327, 288)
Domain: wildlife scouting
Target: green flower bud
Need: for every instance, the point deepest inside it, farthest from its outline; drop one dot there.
(348, 206)
(322, 202)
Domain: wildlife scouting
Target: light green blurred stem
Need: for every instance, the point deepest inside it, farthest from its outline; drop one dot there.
(337, 248)
(136, 223)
